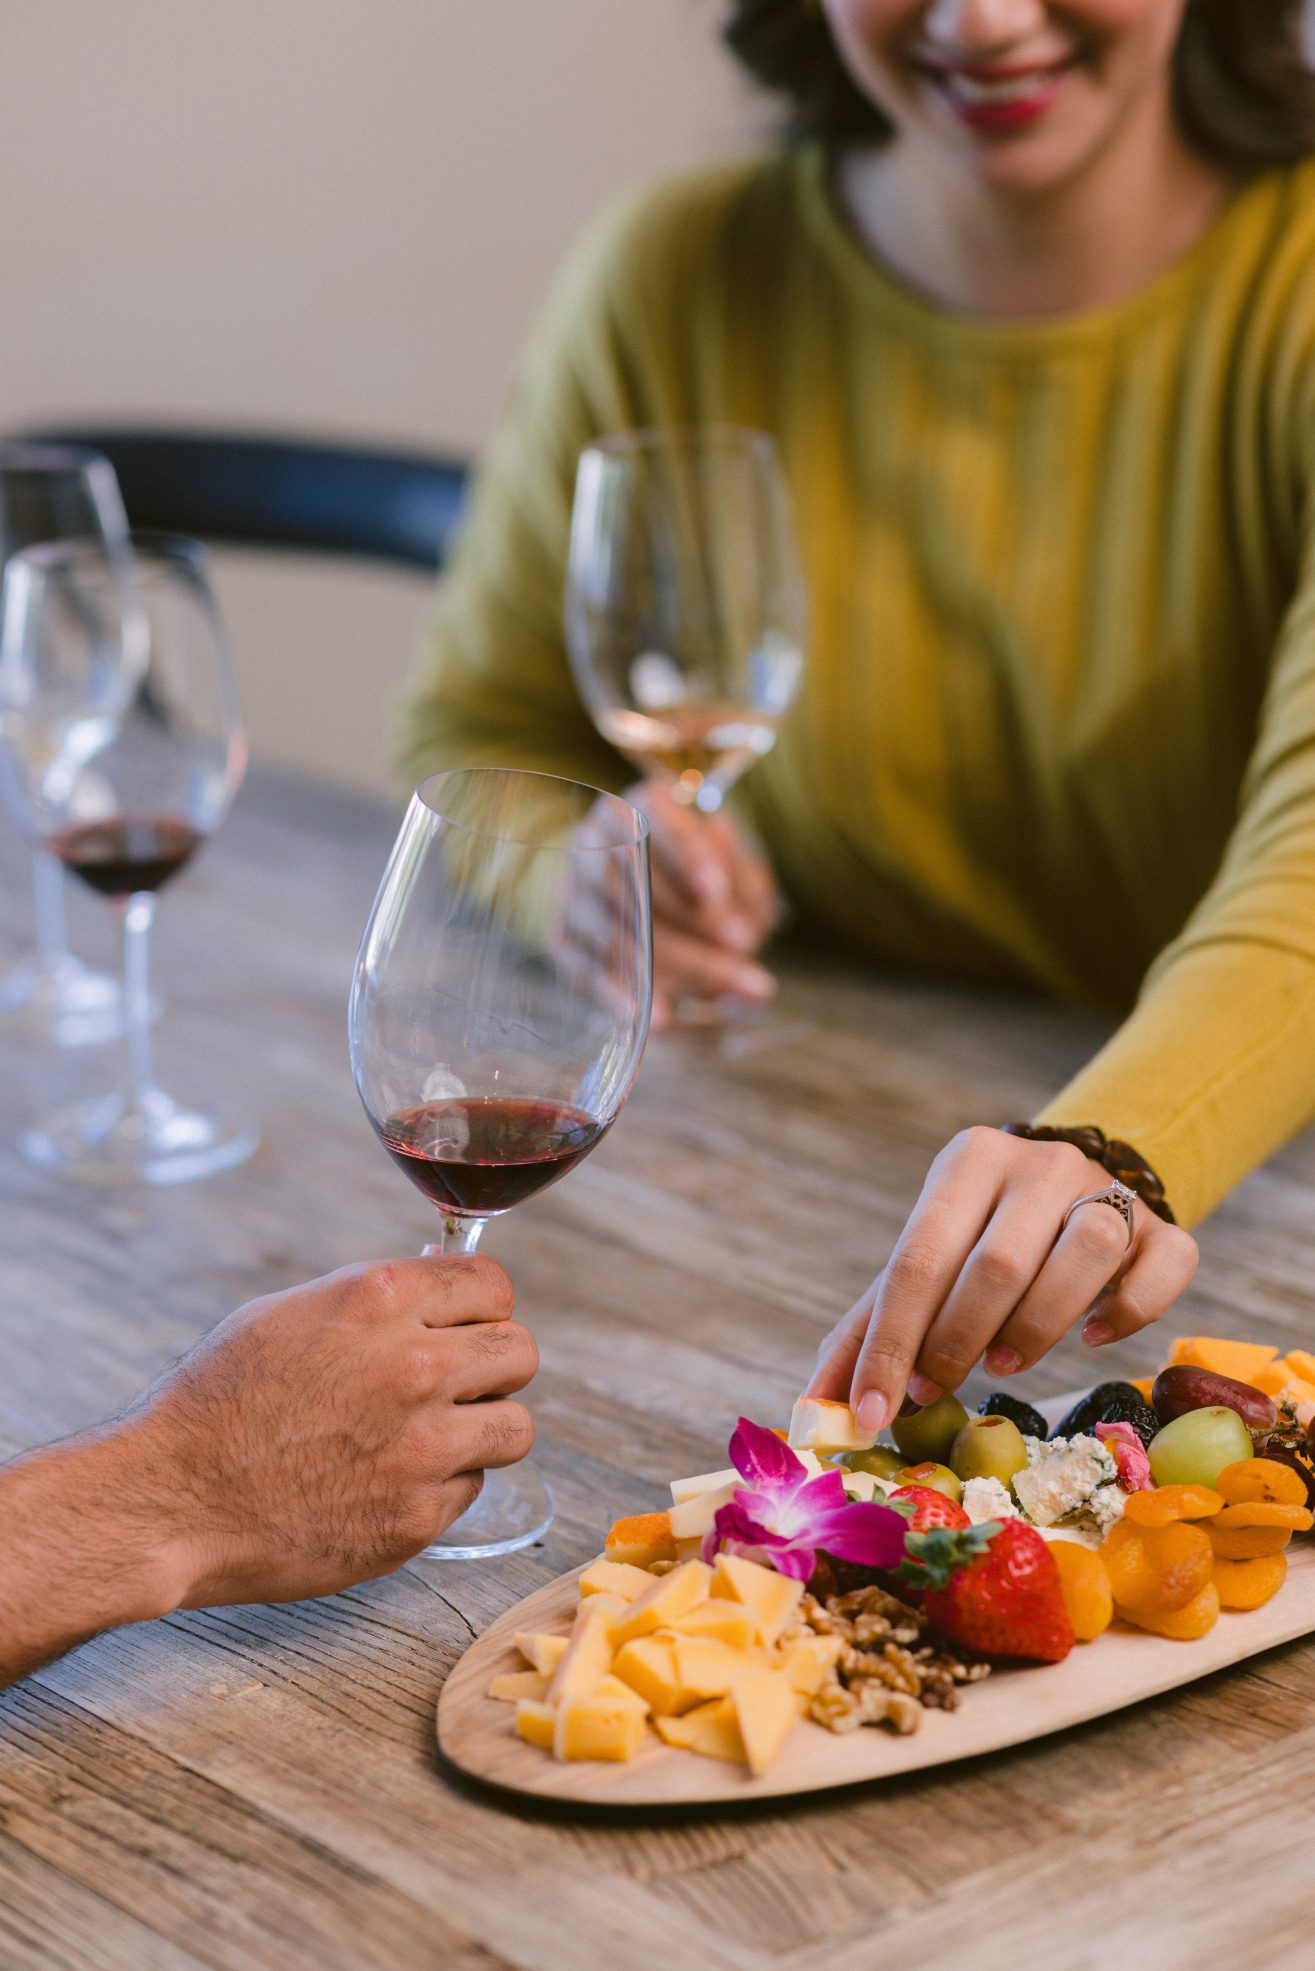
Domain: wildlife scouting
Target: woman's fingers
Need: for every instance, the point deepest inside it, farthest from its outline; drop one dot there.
(684, 964)
(1162, 1266)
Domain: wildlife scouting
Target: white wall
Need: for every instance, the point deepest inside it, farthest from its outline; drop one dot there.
(336, 216)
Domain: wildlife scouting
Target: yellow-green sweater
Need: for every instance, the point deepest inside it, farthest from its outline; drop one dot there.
(1058, 724)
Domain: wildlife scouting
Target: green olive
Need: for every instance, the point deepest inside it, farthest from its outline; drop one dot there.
(881, 1461)
(927, 1435)
(989, 1447)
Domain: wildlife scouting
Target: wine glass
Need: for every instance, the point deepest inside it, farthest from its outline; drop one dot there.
(685, 606)
(498, 1014)
(124, 796)
(50, 493)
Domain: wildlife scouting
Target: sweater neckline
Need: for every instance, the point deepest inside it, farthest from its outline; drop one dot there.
(1002, 335)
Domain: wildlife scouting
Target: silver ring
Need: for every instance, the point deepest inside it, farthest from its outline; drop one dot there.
(1119, 1197)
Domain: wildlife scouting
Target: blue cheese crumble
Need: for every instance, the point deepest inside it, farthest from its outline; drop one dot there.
(1070, 1481)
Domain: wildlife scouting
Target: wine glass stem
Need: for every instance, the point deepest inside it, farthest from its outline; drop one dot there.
(457, 1235)
(51, 916)
(138, 917)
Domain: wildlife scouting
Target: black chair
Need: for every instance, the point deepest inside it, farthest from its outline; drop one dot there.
(238, 491)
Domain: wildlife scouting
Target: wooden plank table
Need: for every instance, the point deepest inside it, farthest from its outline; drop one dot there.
(256, 1787)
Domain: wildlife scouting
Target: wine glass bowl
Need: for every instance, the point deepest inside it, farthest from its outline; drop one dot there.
(498, 1015)
(684, 601)
(122, 769)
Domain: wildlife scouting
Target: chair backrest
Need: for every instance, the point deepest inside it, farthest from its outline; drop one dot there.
(248, 491)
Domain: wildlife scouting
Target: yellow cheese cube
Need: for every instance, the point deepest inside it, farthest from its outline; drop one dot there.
(816, 1424)
(641, 1539)
(648, 1665)
(542, 1652)
(536, 1722)
(808, 1662)
(666, 1598)
(766, 1711)
(773, 1597)
(598, 1727)
(692, 1518)
(705, 1667)
(861, 1485)
(515, 1684)
(614, 1577)
(711, 1730)
(706, 1481)
(610, 1686)
(725, 1621)
(589, 1650)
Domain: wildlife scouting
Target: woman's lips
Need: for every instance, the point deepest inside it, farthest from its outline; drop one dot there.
(997, 99)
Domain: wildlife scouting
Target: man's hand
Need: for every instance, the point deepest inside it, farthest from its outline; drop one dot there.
(983, 1267)
(315, 1438)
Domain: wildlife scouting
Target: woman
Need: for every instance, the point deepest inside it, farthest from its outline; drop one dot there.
(1030, 309)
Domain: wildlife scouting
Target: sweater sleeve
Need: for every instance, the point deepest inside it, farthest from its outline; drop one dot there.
(1215, 1066)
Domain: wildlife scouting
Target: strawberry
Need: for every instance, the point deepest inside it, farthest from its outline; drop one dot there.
(994, 1589)
(929, 1508)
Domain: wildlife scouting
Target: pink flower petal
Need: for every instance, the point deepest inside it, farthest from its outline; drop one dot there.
(1129, 1454)
(762, 1458)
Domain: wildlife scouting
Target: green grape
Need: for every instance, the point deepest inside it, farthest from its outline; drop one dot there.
(1194, 1448)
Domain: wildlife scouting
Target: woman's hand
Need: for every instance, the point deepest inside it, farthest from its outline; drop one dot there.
(715, 903)
(982, 1268)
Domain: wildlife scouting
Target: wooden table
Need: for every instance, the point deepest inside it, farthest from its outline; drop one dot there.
(258, 1787)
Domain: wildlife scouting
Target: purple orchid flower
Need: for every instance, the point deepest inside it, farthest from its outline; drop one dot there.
(783, 1518)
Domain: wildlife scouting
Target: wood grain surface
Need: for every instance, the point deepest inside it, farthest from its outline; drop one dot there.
(257, 1787)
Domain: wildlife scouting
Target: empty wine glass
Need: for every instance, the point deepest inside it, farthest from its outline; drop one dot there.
(124, 797)
(498, 1014)
(54, 493)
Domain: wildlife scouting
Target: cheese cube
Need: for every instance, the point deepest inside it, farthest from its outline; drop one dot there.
(711, 1730)
(614, 1577)
(641, 1539)
(515, 1684)
(766, 1711)
(808, 1662)
(861, 1485)
(542, 1652)
(773, 1597)
(648, 1665)
(536, 1722)
(624, 1693)
(598, 1727)
(588, 1654)
(725, 1621)
(705, 1668)
(707, 1481)
(692, 1518)
(820, 1425)
(668, 1596)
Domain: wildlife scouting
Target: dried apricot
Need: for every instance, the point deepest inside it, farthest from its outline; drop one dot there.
(1248, 1542)
(1252, 1479)
(1166, 1503)
(1266, 1512)
(1250, 1583)
(1182, 1624)
(1181, 1559)
(1085, 1581)
(1132, 1578)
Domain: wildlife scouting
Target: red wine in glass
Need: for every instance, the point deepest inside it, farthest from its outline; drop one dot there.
(128, 853)
(484, 1154)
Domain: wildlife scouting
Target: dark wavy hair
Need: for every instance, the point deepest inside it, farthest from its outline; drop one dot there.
(1243, 88)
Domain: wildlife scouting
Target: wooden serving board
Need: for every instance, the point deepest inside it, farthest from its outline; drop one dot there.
(1009, 1707)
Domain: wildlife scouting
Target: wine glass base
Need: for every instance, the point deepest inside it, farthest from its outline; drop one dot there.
(513, 1511)
(107, 1141)
(66, 1004)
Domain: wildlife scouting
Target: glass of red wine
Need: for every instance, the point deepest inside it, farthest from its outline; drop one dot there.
(53, 493)
(498, 1014)
(124, 794)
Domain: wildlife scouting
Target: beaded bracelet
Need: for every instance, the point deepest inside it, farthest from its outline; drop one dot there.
(1120, 1159)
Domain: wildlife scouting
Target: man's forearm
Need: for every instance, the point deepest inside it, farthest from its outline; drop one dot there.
(80, 1550)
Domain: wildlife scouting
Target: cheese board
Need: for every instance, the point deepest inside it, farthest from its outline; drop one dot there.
(1014, 1705)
